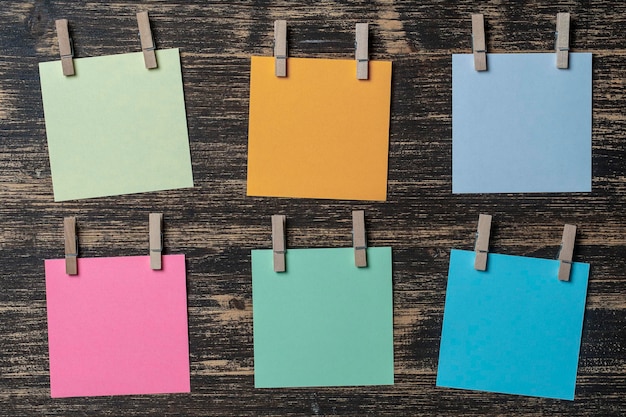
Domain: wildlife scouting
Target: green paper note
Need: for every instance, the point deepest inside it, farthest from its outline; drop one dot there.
(323, 322)
(116, 127)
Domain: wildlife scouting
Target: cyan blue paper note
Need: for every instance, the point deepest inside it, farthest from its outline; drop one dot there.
(323, 322)
(523, 126)
(514, 328)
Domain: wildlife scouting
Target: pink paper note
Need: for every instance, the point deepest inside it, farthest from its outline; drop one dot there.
(118, 327)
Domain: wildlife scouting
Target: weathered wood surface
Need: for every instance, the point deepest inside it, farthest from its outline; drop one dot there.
(216, 225)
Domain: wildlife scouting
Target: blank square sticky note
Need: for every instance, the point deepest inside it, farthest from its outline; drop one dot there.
(319, 132)
(514, 328)
(522, 126)
(323, 322)
(118, 327)
(116, 127)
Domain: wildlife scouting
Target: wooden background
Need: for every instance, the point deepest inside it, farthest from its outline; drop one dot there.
(216, 225)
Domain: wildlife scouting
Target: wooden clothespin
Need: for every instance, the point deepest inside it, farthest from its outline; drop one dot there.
(358, 238)
(278, 241)
(156, 239)
(65, 47)
(478, 42)
(147, 42)
(362, 51)
(482, 242)
(566, 253)
(71, 246)
(280, 47)
(562, 40)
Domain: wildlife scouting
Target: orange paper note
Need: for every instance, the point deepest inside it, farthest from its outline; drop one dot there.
(319, 132)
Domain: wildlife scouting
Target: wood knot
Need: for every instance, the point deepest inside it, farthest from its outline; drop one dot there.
(236, 303)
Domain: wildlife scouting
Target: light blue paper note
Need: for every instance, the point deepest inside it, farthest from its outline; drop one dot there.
(522, 126)
(323, 322)
(514, 328)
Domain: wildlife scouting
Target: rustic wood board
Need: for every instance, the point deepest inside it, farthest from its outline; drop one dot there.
(216, 225)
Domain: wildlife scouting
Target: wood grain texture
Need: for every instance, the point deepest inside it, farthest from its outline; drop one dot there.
(215, 225)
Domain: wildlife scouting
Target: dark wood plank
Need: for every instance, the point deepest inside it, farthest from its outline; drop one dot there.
(216, 225)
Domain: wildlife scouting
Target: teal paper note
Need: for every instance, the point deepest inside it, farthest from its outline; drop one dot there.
(116, 127)
(523, 126)
(514, 328)
(323, 322)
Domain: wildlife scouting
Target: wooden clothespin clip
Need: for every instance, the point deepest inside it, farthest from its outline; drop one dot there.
(478, 42)
(280, 47)
(278, 241)
(362, 51)
(566, 253)
(562, 40)
(147, 42)
(71, 246)
(65, 47)
(482, 242)
(358, 238)
(156, 239)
